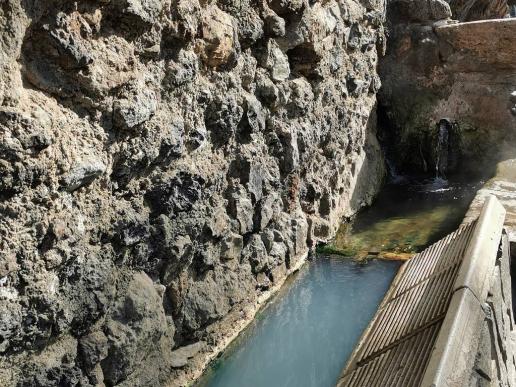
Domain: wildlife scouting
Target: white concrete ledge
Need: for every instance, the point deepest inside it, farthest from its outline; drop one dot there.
(455, 349)
(480, 256)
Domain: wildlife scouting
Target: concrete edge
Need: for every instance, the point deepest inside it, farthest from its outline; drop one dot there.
(504, 21)
(482, 250)
(452, 359)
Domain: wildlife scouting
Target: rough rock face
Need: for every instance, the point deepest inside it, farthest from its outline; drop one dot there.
(447, 88)
(410, 11)
(165, 163)
(470, 10)
(495, 349)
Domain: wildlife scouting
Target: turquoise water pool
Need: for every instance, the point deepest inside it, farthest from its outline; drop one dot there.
(305, 335)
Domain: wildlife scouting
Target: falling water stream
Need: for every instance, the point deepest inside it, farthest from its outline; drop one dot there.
(443, 148)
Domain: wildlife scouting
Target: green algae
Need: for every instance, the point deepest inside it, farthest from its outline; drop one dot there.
(403, 220)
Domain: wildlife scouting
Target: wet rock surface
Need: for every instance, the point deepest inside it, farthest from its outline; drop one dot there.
(453, 76)
(163, 165)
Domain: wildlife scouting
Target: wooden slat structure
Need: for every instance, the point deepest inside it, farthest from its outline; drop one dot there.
(399, 343)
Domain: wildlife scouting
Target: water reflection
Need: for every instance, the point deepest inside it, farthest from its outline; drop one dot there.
(407, 217)
(305, 335)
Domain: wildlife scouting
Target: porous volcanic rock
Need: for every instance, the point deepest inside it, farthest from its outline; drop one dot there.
(165, 164)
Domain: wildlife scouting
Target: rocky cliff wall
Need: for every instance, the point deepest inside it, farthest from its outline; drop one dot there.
(459, 77)
(164, 164)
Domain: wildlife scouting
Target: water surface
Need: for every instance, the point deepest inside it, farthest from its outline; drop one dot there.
(406, 217)
(305, 335)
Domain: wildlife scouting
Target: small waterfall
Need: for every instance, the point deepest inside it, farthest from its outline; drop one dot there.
(394, 176)
(443, 147)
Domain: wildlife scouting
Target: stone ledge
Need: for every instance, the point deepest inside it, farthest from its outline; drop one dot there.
(480, 255)
(455, 352)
